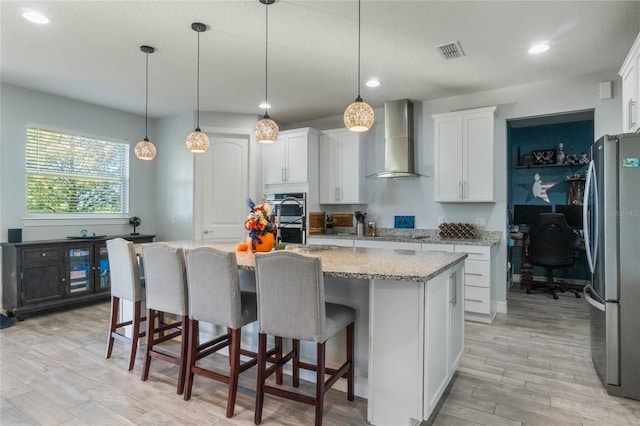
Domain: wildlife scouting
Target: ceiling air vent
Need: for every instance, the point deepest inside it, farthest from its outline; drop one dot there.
(450, 50)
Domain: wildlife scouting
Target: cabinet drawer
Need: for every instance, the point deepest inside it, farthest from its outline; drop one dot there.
(475, 252)
(44, 254)
(477, 299)
(477, 273)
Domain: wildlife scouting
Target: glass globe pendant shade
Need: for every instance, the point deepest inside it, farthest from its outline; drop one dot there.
(197, 141)
(359, 116)
(266, 130)
(145, 150)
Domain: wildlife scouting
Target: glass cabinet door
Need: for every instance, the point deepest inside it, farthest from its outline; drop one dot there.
(80, 266)
(102, 268)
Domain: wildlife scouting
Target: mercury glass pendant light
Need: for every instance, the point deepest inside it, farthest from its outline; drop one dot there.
(144, 149)
(359, 116)
(266, 130)
(197, 141)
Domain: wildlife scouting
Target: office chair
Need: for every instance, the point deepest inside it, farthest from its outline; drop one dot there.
(551, 245)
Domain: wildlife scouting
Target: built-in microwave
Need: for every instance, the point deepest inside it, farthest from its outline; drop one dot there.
(291, 216)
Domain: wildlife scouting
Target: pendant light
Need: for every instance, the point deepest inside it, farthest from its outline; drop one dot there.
(359, 116)
(144, 149)
(266, 130)
(197, 141)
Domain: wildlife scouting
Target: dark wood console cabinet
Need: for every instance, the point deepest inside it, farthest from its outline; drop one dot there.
(41, 275)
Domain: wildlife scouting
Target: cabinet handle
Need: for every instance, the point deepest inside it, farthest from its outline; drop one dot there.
(282, 174)
(464, 184)
(474, 274)
(339, 194)
(454, 291)
(630, 105)
(473, 300)
(43, 254)
(64, 279)
(459, 190)
(335, 193)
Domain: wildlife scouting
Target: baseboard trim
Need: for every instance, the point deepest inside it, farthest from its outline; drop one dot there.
(502, 306)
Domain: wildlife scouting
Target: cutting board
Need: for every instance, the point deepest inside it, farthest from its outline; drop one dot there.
(343, 219)
(316, 223)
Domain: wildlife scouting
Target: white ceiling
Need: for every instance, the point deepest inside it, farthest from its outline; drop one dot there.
(90, 50)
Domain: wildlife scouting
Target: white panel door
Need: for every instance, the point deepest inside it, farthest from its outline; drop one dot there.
(222, 186)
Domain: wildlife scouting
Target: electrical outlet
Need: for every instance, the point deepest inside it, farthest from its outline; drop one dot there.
(441, 220)
(481, 221)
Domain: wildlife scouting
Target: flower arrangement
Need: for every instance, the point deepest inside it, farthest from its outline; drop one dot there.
(260, 221)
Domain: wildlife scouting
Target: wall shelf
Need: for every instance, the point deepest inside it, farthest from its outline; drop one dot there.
(535, 166)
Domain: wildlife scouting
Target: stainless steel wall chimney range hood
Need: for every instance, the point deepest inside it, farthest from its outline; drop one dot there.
(398, 140)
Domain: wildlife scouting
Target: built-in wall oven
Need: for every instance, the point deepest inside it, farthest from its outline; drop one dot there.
(291, 216)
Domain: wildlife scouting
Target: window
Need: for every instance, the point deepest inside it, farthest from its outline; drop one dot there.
(70, 174)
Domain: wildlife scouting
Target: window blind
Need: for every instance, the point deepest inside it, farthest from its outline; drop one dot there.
(74, 174)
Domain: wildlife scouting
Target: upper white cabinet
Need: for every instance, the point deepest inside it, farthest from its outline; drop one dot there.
(631, 88)
(464, 155)
(287, 159)
(341, 171)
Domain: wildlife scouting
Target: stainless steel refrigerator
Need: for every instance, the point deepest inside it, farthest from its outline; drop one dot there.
(612, 241)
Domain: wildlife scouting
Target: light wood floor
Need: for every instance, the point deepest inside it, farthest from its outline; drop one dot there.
(531, 366)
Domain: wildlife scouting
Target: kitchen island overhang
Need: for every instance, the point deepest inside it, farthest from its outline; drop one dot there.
(409, 326)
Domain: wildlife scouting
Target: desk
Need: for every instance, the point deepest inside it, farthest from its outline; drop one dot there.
(409, 326)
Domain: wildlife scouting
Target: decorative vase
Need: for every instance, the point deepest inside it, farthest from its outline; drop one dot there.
(268, 241)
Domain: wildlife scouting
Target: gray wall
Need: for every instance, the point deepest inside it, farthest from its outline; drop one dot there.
(20, 107)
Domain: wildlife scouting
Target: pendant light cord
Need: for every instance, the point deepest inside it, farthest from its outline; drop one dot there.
(198, 87)
(146, 101)
(359, 98)
(266, 61)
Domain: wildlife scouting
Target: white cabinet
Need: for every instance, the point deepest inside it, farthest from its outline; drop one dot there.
(341, 171)
(631, 88)
(463, 155)
(287, 159)
(394, 245)
(479, 301)
(322, 241)
(406, 381)
(479, 294)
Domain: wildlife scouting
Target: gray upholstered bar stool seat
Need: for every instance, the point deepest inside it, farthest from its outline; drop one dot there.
(125, 285)
(291, 303)
(166, 286)
(215, 298)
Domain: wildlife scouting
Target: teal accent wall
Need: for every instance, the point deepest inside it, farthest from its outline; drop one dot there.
(576, 138)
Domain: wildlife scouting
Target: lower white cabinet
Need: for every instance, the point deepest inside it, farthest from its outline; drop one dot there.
(480, 302)
(479, 295)
(408, 375)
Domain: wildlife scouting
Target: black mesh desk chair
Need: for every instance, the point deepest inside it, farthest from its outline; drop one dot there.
(551, 245)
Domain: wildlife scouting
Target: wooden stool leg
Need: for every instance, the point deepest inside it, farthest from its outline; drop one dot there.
(278, 355)
(192, 353)
(320, 383)
(113, 320)
(350, 374)
(234, 371)
(296, 363)
(182, 364)
(262, 361)
(151, 314)
(135, 335)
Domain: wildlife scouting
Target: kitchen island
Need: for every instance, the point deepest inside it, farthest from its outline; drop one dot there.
(409, 326)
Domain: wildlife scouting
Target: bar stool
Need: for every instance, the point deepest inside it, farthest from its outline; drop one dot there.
(166, 286)
(125, 285)
(215, 298)
(291, 304)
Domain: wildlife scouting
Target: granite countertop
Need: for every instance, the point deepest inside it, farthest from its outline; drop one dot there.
(428, 236)
(362, 263)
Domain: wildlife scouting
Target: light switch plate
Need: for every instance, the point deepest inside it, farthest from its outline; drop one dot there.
(404, 221)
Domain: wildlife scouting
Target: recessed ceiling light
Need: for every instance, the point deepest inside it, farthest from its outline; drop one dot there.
(373, 82)
(264, 105)
(539, 48)
(35, 17)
